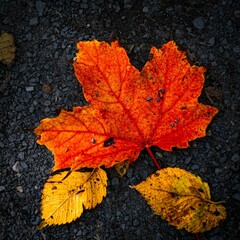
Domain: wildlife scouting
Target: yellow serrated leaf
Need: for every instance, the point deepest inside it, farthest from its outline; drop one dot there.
(7, 48)
(182, 199)
(65, 195)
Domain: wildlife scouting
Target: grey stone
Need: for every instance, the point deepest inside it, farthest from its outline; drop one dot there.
(23, 68)
(127, 1)
(237, 187)
(21, 155)
(188, 160)
(211, 41)
(195, 167)
(215, 163)
(33, 21)
(145, 9)
(19, 189)
(123, 226)
(130, 172)
(236, 196)
(215, 237)
(117, 8)
(29, 89)
(17, 167)
(126, 194)
(2, 188)
(40, 6)
(235, 157)
(146, 36)
(169, 9)
(136, 223)
(24, 165)
(79, 233)
(29, 36)
(236, 49)
(199, 23)
(223, 159)
(84, 6)
(115, 181)
(47, 103)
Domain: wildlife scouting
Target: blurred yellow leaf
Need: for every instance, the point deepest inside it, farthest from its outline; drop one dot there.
(122, 167)
(67, 194)
(182, 199)
(7, 48)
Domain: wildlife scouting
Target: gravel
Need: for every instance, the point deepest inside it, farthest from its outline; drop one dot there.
(199, 23)
(41, 81)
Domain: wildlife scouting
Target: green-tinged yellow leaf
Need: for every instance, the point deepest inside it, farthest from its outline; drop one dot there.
(7, 48)
(122, 167)
(65, 195)
(182, 199)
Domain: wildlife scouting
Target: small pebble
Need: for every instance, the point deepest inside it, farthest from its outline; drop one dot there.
(24, 165)
(130, 172)
(19, 189)
(136, 223)
(195, 167)
(188, 160)
(29, 89)
(236, 196)
(236, 49)
(115, 181)
(17, 167)
(199, 23)
(29, 36)
(23, 68)
(145, 9)
(211, 41)
(33, 21)
(21, 155)
(40, 6)
(84, 6)
(235, 157)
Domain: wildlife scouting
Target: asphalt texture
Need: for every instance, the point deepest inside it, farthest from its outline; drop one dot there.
(41, 81)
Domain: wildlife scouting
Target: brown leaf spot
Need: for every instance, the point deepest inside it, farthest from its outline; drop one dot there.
(80, 191)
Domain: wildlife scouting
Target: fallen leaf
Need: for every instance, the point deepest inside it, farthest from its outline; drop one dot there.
(182, 199)
(67, 194)
(46, 88)
(128, 110)
(7, 48)
(122, 167)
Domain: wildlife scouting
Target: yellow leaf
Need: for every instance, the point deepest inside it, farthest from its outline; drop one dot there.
(122, 167)
(182, 199)
(67, 194)
(7, 48)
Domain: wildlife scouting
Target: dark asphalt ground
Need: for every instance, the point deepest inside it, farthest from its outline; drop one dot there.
(41, 81)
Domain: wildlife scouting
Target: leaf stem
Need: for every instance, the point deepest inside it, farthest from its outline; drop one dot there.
(153, 158)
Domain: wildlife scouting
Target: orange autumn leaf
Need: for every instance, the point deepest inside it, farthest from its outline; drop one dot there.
(128, 110)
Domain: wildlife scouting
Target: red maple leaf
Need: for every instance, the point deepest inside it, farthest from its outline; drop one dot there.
(128, 110)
